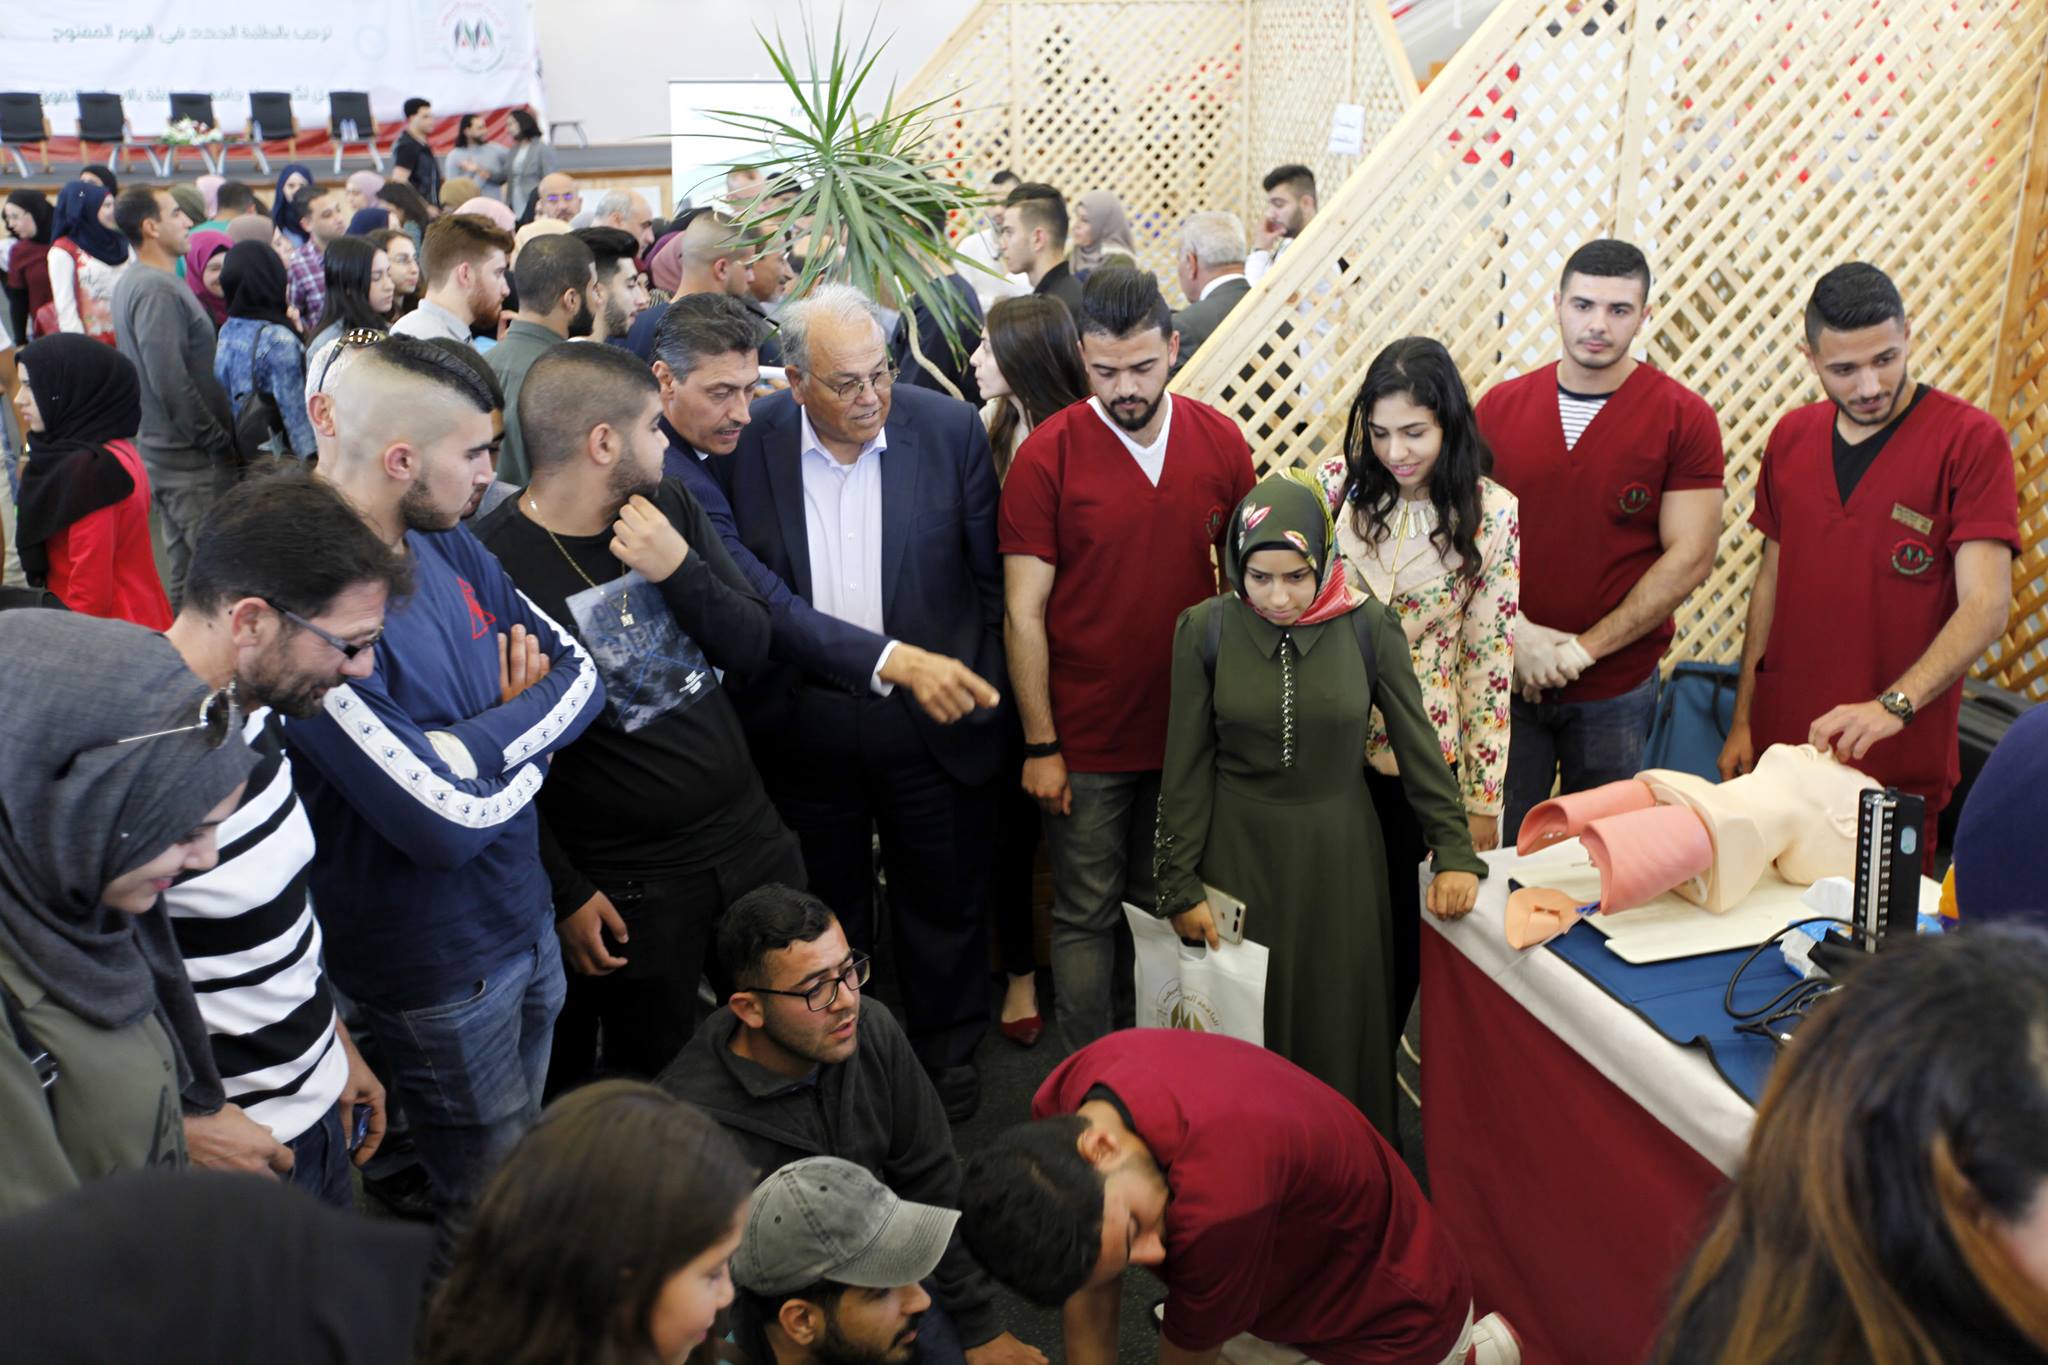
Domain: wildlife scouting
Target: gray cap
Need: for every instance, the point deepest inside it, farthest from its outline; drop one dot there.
(827, 1219)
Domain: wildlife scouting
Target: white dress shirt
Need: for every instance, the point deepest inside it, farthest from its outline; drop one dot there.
(843, 528)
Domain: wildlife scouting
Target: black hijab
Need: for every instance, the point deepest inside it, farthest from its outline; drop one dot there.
(37, 207)
(78, 810)
(252, 280)
(103, 173)
(87, 395)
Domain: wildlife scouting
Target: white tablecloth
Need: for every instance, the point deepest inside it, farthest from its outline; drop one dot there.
(1677, 1085)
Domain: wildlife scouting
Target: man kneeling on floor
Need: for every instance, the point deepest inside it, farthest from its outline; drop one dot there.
(801, 1063)
(829, 1266)
(1273, 1211)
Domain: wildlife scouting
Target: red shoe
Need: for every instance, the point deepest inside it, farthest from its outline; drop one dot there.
(1023, 1032)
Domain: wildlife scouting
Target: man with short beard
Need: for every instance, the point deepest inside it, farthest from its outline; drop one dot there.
(828, 1269)
(619, 295)
(284, 601)
(655, 820)
(1108, 518)
(420, 777)
(463, 260)
(554, 276)
(1890, 522)
(800, 1063)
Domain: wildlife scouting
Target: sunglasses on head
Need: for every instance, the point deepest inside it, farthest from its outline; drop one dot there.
(355, 338)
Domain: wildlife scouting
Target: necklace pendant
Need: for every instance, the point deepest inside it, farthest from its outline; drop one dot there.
(625, 617)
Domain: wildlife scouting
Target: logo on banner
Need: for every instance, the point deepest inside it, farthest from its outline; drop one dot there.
(472, 36)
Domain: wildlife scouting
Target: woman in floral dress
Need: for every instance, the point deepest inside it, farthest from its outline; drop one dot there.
(1423, 529)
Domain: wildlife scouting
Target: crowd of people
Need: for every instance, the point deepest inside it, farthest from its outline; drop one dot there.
(582, 668)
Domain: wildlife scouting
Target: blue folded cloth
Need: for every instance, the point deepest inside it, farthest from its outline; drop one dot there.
(1682, 998)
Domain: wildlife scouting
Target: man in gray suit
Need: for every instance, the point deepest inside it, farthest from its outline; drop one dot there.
(1211, 270)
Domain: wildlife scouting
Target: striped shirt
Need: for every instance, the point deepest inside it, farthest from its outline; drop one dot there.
(1577, 411)
(252, 948)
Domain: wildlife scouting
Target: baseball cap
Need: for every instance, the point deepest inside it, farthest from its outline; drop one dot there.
(827, 1219)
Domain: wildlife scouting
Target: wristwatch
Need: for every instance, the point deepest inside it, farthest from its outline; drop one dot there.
(1899, 705)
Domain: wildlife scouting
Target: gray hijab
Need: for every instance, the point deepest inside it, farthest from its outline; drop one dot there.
(1112, 231)
(74, 816)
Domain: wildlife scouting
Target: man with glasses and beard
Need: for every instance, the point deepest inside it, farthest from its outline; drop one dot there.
(554, 277)
(828, 1269)
(1109, 517)
(1890, 520)
(284, 601)
(800, 1063)
(420, 777)
(463, 259)
(655, 820)
(874, 503)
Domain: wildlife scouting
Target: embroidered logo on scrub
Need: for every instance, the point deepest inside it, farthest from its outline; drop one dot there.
(1912, 557)
(1215, 519)
(1634, 498)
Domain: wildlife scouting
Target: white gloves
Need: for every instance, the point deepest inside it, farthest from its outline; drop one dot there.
(1546, 659)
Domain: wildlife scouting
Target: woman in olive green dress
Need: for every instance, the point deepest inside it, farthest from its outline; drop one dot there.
(1264, 795)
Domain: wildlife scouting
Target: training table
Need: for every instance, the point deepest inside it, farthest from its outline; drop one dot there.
(1575, 1154)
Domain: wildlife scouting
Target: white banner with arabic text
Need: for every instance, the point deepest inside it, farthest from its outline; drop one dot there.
(463, 55)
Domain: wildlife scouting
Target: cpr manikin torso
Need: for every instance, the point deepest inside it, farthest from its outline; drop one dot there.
(1710, 842)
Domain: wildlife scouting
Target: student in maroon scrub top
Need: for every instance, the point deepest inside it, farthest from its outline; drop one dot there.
(1618, 470)
(1264, 1199)
(1109, 518)
(1890, 520)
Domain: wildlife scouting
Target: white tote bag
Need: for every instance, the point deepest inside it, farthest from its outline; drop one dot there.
(1220, 990)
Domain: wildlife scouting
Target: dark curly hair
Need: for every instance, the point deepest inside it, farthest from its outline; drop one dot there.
(1421, 369)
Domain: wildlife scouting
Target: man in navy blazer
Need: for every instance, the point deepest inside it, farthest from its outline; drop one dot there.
(873, 504)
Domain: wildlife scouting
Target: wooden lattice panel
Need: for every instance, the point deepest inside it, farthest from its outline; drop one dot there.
(1746, 147)
(1158, 100)
(2020, 399)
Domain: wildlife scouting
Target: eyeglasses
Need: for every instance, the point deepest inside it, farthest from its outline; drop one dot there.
(825, 994)
(560, 198)
(216, 719)
(349, 650)
(846, 390)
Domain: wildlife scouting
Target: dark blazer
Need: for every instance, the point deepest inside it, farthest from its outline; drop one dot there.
(1196, 321)
(942, 581)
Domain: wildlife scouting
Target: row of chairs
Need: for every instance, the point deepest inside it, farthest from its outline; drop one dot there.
(103, 122)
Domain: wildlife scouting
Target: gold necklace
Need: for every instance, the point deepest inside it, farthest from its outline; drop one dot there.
(1394, 561)
(625, 613)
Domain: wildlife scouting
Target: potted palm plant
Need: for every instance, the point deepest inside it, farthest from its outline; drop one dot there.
(872, 207)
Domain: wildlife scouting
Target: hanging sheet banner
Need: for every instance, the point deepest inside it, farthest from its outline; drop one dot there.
(464, 55)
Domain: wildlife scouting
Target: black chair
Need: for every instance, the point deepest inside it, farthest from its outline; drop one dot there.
(351, 124)
(198, 108)
(270, 120)
(21, 123)
(101, 120)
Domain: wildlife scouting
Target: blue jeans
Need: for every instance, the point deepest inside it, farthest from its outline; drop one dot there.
(320, 1164)
(472, 1068)
(1574, 746)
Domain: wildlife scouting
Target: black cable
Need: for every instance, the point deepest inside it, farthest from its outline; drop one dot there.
(1728, 997)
